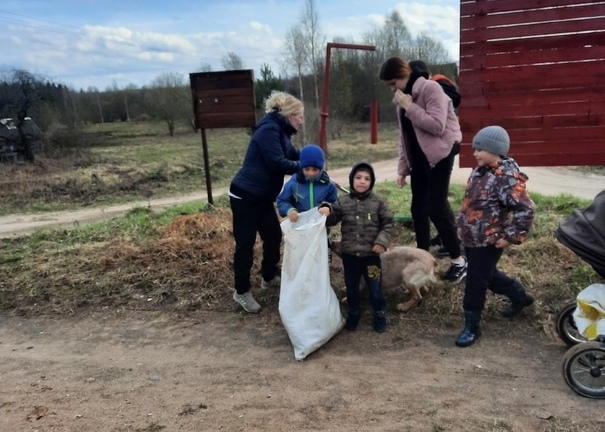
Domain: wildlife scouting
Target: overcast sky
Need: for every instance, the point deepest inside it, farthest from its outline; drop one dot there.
(99, 43)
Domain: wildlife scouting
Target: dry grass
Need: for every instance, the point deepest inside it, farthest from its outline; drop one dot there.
(185, 264)
(181, 262)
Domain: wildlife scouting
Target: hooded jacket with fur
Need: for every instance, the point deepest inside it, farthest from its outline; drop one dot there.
(496, 205)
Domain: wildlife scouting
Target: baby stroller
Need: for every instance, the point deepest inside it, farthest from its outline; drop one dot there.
(583, 232)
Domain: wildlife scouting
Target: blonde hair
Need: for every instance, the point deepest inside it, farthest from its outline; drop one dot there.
(284, 103)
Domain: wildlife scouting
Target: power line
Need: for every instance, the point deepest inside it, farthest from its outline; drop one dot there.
(44, 25)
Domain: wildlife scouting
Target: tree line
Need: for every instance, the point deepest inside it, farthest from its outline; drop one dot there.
(353, 82)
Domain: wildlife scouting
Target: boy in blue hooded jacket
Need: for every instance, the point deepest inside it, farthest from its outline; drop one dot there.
(309, 187)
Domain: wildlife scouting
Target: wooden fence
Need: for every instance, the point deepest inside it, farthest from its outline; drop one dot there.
(537, 68)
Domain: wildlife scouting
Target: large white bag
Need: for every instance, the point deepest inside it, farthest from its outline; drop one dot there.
(308, 306)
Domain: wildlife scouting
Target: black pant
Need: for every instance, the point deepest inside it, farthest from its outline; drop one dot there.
(370, 268)
(249, 217)
(482, 275)
(429, 203)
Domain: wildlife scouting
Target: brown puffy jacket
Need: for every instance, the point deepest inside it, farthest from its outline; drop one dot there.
(366, 221)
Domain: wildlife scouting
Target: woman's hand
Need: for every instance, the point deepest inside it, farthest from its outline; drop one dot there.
(324, 211)
(402, 99)
(401, 181)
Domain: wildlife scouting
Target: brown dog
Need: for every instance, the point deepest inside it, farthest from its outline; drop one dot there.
(407, 268)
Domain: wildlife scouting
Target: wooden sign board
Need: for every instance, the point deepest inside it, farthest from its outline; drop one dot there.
(223, 99)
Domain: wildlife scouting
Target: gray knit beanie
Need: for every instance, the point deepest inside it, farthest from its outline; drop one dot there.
(493, 139)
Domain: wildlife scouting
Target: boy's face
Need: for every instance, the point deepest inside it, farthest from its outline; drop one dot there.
(362, 181)
(311, 172)
(485, 158)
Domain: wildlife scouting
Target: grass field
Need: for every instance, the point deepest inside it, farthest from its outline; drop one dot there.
(121, 162)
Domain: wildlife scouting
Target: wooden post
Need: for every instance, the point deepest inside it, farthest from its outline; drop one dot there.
(207, 167)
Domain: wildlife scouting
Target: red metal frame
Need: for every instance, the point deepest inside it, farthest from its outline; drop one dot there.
(324, 99)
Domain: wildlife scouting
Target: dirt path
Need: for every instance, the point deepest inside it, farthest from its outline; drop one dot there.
(547, 181)
(236, 372)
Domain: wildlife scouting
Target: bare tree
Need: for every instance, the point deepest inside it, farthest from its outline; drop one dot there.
(231, 61)
(396, 38)
(205, 67)
(26, 85)
(169, 99)
(431, 50)
(296, 58)
(315, 41)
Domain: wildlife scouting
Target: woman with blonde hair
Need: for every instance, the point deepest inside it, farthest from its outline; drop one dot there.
(269, 157)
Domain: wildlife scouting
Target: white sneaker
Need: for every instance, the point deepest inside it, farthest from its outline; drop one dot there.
(273, 283)
(246, 301)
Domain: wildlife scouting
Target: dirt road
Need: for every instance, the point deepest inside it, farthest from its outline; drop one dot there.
(547, 181)
(236, 372)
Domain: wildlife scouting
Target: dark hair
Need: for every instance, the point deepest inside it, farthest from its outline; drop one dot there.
(419, 64)
(394, 68)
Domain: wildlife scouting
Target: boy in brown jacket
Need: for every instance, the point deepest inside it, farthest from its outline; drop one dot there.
(366, 230)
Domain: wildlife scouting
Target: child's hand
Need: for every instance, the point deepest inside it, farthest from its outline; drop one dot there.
(502, 243)
(324, 211)
(293, 216)
(378, 249)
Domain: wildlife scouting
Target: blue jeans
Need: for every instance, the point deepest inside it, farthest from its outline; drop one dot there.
(371, 269)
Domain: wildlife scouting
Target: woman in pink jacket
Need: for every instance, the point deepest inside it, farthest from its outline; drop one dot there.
(429, 141)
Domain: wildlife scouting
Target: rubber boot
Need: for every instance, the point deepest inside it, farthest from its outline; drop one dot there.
(519, 300)
(471, 330)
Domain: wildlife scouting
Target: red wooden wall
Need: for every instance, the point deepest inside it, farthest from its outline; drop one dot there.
(537, 68)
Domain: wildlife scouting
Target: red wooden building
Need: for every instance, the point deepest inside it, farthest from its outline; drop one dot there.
(537, 68)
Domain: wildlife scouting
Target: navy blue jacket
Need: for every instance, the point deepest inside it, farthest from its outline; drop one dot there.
(269, 157)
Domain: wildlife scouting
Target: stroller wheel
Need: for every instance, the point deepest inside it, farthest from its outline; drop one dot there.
(566, 326)
(584, 369)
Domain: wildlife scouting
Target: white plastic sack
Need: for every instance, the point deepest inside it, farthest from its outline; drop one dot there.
(589, 316)
(308, 306)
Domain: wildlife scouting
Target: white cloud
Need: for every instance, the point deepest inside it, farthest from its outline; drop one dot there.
(145, 44)
(442, 22)
(255, 25)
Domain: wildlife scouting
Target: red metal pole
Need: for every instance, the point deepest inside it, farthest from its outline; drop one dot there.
(324, 100)
(374, 122)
